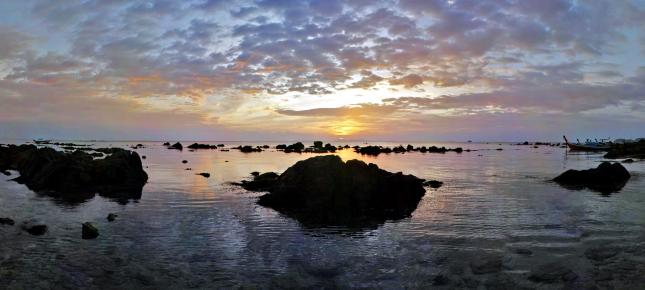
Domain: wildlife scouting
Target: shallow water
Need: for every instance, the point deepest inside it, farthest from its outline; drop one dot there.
(192, 232)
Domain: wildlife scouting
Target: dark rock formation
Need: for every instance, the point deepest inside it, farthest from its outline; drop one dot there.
(201, 146)
(324, 190)
(486, 264)
(111, 217)
(6, 221)
(176, 146)
(166, 144)
(184, 161)
(6, 172)
(248, 149)
(297, 147)
(260, 182)
(628, 160)
(606, 178)
(433, 183)
(552, 273)
(204, 174)
(89, 231)
(36, 230)
(75, 176)
(376, 150)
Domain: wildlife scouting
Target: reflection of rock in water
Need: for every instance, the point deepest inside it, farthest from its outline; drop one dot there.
(324, 190)
(606, 178)
(75, 177)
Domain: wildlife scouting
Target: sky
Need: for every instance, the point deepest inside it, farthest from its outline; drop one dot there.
(388, 70)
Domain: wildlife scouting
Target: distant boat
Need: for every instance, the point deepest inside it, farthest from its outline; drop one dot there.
(588, 145)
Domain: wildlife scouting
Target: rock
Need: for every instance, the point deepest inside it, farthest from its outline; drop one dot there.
(143, 157)
(433, 183)
(606, 178)
(184, 161)
(166, 144)
(6, 221)
(248, 149)
(601, 253)
(525, 252)
(633, 149)
(204, 174)
(202, 146)
(76, 176)
(89, 231)
(220, 145)
(176, 146)
(260, 182)
(628, 160)
(552, 273)
(486, 264)
(324, 190)
(6, 172)
(36, 230)
(111, 217)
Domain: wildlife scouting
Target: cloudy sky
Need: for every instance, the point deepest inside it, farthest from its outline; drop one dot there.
(285, 70)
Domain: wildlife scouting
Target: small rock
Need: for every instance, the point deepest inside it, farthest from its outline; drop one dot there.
(433, 183)
(628, 160)
(526, 252)
(204, 174)
(36, 230)
(6, 172)
(600, 253)
(111, 217)
(440, 280)
(184, 161)
(486, 264)
(176, 146)
(552, 273)
(143, 157)
(188, 168)
(6, 221)
(89, 231)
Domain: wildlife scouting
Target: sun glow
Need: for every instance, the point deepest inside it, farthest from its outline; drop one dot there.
(345, 127)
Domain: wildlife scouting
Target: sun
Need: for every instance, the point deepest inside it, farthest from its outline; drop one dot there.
(345, 127)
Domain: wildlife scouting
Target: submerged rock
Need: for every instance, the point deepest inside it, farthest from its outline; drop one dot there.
(324, 190)
(204, 174)
(76, 176)
(202, 146)
(486, 264)
(6, 221)
(552, 273)
(111, 217)
(36, 230)
(89, 231)
(606, 178)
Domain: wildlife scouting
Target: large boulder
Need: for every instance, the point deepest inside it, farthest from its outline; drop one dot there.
(76, 176)
(606, 178)
(324, 190)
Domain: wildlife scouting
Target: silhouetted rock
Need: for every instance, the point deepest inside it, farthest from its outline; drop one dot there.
(628, 160)
(76, 176)
(433, 183)
(36, 230)
(6, 221)
(184, 161)
(220, 145)
(606, 178)
(143, 157)
(325, 190)
(248, 149)
(202, 146)
(166, 144)
(204, 174)
(552, 273)
(260, 182)
(176, 146)
(89, 231)
(6, 172)
(111, 217)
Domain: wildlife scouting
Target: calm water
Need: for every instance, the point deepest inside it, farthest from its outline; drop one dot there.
(191, 232)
